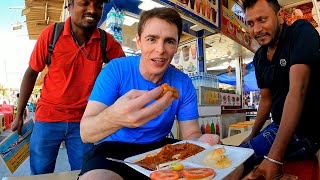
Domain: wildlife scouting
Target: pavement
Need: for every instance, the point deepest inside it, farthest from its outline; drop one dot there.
(62, 163)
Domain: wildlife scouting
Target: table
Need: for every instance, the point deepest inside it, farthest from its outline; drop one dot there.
(236, 140)
(52, 176)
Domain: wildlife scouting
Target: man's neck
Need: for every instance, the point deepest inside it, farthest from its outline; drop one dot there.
(82, 36)
(274, 42)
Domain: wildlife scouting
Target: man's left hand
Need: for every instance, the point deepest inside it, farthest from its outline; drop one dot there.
(211, 139)
(269, 170)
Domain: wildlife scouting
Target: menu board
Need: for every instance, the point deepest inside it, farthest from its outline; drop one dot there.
(228, 99)
(185, 58)
(203, 9)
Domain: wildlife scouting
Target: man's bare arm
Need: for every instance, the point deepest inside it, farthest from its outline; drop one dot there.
(28, 81)
(293, 106)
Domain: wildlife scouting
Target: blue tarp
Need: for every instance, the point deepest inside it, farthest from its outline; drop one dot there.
(250, 82)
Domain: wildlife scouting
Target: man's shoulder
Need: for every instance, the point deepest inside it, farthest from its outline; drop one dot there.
(47, 31)
(126, 59)
(177, 72)
(258, 54)
(122, 62)
(301, 25)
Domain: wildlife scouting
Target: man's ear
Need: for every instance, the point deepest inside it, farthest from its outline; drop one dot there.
(138, 41)
(281, 16)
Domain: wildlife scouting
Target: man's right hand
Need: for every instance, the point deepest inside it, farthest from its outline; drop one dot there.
(17, 124)
(131, 109)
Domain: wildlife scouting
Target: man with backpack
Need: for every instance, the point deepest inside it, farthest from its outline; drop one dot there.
(74, 60)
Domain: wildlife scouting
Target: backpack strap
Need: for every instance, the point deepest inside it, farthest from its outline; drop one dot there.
(57, 29)
(103, 44)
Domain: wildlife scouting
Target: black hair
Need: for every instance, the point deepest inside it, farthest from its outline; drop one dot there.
(71, 2)
(273, 3)
(168, 14)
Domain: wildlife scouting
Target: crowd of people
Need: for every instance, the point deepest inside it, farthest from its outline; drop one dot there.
(116, 111)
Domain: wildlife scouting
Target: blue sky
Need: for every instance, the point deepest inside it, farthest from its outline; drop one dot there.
(16, 47)
(11, 16)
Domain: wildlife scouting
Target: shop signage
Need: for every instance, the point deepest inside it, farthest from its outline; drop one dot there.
(234, 26)
(239, 15)
(227, 99)
(200, 10)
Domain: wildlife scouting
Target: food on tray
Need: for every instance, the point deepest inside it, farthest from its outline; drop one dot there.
(177, 167)
(165, 174)
(171, 152)
(198, 173)
(167, 88)
(170, 163)
(217, 159)
(186, 174)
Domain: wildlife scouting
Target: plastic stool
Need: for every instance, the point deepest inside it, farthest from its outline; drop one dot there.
(237, 127)
(8, 120)
(307, 169)
(2, 123)
(248, 123)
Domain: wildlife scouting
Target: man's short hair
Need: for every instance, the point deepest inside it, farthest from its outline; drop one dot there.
(168, 14)
(273, 3)
(105, 1)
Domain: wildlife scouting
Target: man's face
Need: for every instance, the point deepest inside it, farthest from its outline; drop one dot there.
(85, 14)
(264, 23)
(158, 43)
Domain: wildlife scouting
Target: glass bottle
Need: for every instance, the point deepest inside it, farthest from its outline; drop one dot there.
(208, 129)
(217, 127)
(203, 129)
(213, 131)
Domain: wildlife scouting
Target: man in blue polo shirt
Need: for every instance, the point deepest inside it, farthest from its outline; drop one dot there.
(123, 116)
(286, 69)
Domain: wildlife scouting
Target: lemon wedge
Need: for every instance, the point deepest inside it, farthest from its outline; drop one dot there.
(177, 167)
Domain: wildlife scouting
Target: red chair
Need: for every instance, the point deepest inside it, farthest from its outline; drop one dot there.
(8, 120)
(304, 169)
(2, 123)
(7, 108)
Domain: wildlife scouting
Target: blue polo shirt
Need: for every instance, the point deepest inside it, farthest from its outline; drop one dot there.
(298, 44)
(123, 75)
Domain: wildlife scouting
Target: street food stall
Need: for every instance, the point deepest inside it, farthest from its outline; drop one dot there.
(212, 33)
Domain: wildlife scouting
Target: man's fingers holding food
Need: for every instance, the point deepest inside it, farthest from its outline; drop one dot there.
(166, 88)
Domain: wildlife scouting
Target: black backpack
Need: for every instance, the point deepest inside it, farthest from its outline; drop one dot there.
(58, 27)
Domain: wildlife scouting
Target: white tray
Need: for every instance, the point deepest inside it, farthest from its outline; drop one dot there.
(236, 154)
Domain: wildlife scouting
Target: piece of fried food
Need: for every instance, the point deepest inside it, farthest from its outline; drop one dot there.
(167, 88)
(217, 159)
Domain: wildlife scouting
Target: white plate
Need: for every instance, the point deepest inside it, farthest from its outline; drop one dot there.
(236, 154)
